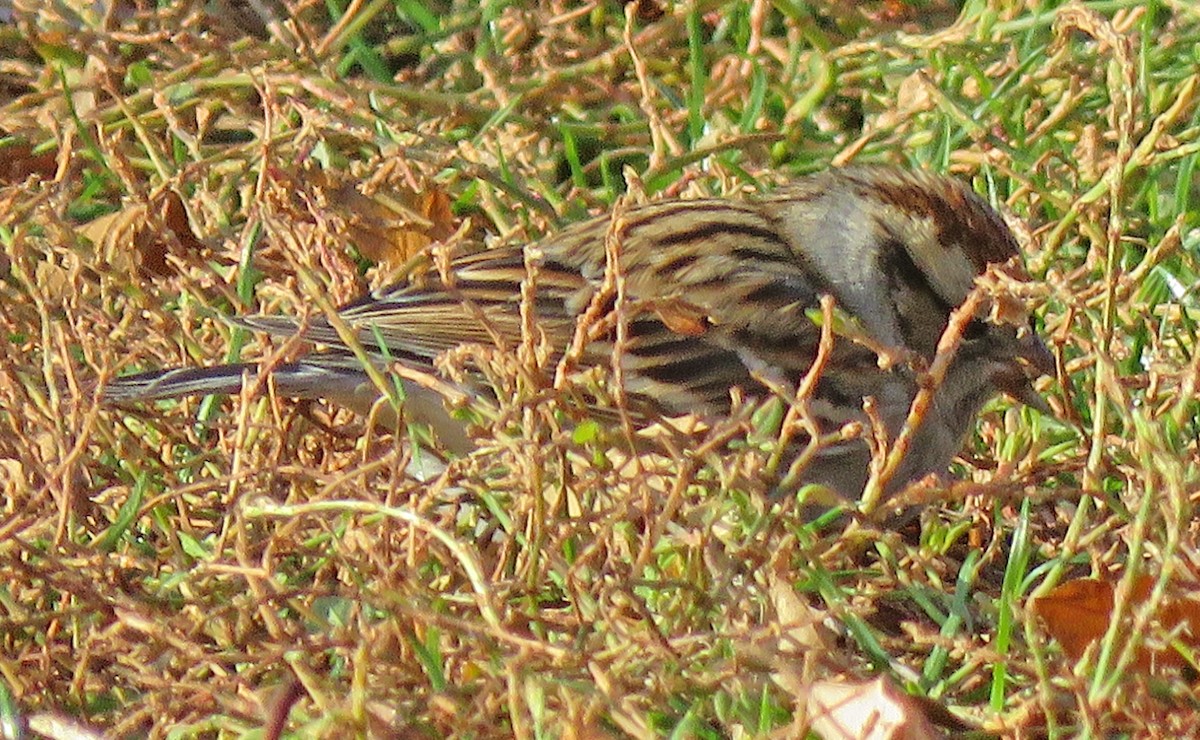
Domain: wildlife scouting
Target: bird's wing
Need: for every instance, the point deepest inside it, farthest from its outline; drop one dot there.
(714, 298)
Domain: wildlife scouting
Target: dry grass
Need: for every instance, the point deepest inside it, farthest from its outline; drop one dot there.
(227, 566)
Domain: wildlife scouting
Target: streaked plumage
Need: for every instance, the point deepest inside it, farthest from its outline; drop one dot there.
(718, 294)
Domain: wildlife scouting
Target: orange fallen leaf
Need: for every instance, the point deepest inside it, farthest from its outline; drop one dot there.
(1079, 612)
(389, 218)
(1076, 613)
(392, 227)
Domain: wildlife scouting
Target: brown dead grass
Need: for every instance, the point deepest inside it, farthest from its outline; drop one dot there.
(211, 569)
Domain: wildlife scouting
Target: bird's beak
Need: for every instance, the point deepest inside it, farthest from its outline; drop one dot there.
(1032, 360)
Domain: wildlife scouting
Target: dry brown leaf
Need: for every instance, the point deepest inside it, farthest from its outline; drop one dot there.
(801, 626)
(18, 162)
(1076, 613)
(392, 227)
(175, 219)
(1079, 612)
(388, 220)
(115, 233)
(874, 710)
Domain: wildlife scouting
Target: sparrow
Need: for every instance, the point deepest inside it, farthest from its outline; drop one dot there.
(717, 298)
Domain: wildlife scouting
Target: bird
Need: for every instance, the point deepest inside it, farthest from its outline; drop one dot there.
(718, 298)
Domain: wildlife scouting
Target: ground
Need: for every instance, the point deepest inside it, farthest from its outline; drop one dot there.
(224, 566)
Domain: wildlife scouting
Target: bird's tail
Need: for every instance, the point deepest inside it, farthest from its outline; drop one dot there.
(335, 377)
(294, 379)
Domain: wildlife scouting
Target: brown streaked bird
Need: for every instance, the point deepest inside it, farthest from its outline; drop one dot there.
(897, 250)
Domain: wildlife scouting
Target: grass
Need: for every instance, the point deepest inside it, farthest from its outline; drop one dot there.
(231, 566)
